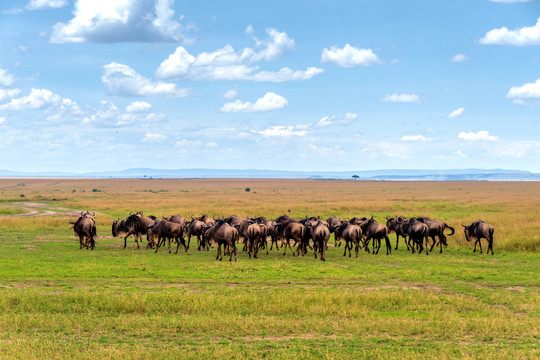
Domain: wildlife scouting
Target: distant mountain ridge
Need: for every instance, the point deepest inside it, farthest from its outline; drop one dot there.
(378, 175)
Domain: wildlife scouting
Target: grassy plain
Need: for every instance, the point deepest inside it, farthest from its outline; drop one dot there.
(58, 301)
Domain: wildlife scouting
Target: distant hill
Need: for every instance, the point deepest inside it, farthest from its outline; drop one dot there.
(374, 175)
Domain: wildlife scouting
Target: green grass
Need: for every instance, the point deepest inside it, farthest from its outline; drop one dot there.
(59, 301)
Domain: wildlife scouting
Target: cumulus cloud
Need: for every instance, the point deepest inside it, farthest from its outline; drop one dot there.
(154, 138)
(45, 4)
(270, 101)
(349, 56)
(459, 58)
(228, 64)
(122, 80)
(282, 131)
(518, 37)
(119, 21)
(458, 112)
(405, 98)
(526, 91)
(8, 94)
(336, 120)
(230, 94)
(37, 99)
(2, 119)
(414, 138)
(6, 79)
(477, 136)
(138, 106)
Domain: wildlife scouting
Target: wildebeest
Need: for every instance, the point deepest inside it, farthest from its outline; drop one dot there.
(372, 230)
(290, 229)
(351, 234)
(270, 231)
(223, 234)
(85, 229)
(333, 223)
(394, 225)
(417, 231)
(134, 225)
(166, 229)
(197, 228)
(436, 229)
(320, 234)
(480, 230)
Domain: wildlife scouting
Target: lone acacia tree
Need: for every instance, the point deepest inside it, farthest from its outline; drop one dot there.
(355, 177)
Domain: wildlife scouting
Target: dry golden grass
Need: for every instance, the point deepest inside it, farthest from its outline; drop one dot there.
(512, 207)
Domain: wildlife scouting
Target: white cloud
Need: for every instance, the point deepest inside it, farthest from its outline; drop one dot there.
(526, 91)
(2, 119)
(459, 58)
(414, 138)
(458, 112)
(122, 80)
(474, 136)
(37, 99)
(230, 94)
(228, 64)
(270, 101)
(349, 56)
(138, 106)
(154, 138)
(335, 120)
(8, 94)
(282, 131)
(519, 37)
(114, 21)
(6, 79)
(406, 98)
(45, 4)
(108, 115)
(211, 144)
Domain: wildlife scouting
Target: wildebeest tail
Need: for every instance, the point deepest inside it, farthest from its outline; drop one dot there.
(451, 228)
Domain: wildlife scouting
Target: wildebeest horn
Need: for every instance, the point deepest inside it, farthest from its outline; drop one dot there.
(130, 213)
(463, 225)
(93, 213)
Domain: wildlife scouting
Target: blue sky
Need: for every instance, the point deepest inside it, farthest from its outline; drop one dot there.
(88, 85)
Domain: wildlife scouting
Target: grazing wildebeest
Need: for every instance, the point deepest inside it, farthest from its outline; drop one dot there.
(351, 234)
(394, 225)
(223, 234)
(168, 230)
(418, 232)
(480, 230)
(436, 229)
(372, 230)
(134, 225)
(85, 229)
(320, 234)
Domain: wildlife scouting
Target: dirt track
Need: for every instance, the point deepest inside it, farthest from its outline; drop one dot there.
(38, 209)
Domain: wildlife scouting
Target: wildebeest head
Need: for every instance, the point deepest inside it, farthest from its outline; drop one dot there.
(467, 230)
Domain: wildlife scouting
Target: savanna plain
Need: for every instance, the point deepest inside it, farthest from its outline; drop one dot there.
(59, 302)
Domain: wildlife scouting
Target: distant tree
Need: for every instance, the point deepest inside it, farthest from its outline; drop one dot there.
(355, 177)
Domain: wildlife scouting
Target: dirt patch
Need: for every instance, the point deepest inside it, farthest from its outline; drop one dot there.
(38, 209)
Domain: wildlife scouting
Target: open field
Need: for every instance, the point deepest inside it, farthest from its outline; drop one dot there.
(61, 302)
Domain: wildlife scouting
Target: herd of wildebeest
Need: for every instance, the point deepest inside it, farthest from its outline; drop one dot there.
(308, 233)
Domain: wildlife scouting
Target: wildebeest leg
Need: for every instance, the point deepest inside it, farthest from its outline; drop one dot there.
(427, 253)
(345, 250)
(388, 245)
(218, 251)
(397, 241)
(490, 244)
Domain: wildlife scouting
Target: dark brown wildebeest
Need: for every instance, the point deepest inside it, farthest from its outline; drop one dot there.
(418, 232)
(270, 231)
(290, 229)
(134, 225)
(206, 219)
(85, 229)
(394, 226)
(372, 230)
(480, 230)
(197, 228)
(179, 220)
(223, 234)
(320, 234)
(234, 220)
(333, 224)
(253, 236)
(436, 229)
(168, 230)
(351, 234)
